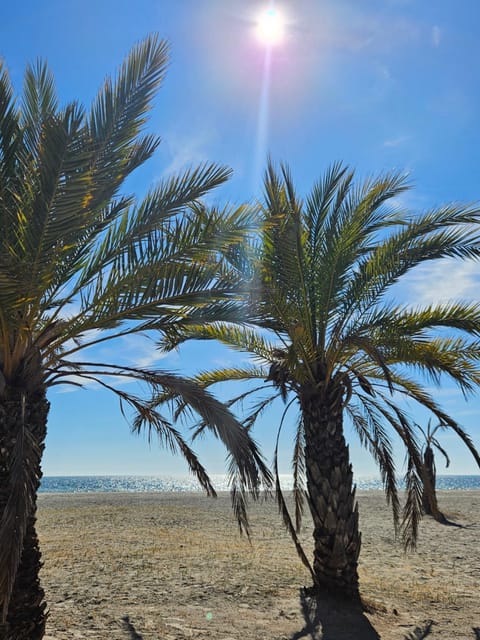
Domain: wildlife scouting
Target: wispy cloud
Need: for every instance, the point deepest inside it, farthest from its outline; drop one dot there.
(131, 351)
(443, 281)
(188, 149)
(436, 36)
(140, 352)
(384, 72)
(396, 142)
(367, 31)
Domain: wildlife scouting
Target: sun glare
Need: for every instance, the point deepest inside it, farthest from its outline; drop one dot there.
(270, 27)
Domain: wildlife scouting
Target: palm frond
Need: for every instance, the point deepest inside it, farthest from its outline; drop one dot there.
(39, 103)
(415, 479)
(10, 145)
(438, 446)
(299, 471)
(368, 420)
(119, 114)
(438, 234)
(412, 511)
(412, 389)
(282, 505)
(240, 338)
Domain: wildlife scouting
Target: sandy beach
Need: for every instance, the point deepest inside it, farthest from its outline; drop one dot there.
(172, 566)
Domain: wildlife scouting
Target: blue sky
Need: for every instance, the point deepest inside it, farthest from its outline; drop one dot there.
(380, 85)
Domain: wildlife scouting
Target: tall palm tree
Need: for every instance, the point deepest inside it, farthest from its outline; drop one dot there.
(429, 498)
(82, 263)
(329, 338)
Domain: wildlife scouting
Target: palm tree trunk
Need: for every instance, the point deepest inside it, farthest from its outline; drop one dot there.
(429, 493)
(429, 470)
(26, 614)
(331, 496)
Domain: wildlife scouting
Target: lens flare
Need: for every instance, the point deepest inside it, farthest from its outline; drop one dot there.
(271, 27)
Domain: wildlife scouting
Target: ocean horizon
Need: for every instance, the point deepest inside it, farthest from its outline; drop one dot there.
(182, 484)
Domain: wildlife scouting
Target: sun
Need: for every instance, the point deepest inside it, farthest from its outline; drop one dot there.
(271, 26)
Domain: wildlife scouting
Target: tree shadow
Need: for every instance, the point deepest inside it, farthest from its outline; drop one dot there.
(419, 633)
(328, 618)
(476, 631)
(130, 629)
(449, 523)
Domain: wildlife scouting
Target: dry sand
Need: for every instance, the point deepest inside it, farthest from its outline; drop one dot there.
(173, 566)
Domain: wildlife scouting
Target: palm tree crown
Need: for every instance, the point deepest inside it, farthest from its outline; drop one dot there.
(330, 340)
(82, 262)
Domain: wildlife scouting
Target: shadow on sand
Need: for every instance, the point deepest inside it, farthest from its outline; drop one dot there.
(328, 618)
(450, 523)
(130, 629)
(419, 633)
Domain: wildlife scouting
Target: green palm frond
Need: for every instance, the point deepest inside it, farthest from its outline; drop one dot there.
(412, 511)
(282, 505)
(455, 315)
(38, 105)
(283, 239)
(9, 148)
(246, 464)
(319, 205)
(119, 114)
(369, 350)
(369, 419)
(299, 473)
(446, 232)
(455, 358)
(410, 388)
(208, 378)
(238, 337)
(415, 478)
(250, 418)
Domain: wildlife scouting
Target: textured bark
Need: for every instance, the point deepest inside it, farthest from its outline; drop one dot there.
(429, 470)
(429, 494)
(26, 612)
(331, 494)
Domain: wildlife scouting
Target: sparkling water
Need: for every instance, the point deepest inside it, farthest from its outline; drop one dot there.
(77, 484)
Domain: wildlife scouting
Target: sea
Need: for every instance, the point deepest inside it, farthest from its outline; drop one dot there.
(135, 484)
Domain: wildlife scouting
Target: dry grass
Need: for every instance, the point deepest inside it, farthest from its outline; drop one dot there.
(176, 566)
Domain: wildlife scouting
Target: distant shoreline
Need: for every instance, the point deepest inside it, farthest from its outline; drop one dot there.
(186, 484)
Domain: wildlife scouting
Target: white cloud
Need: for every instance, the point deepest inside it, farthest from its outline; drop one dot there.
(384, 72)
(187, 149)
(131, 351)
(139, 351)
(396, 142)
(443, 281)
(436, 36)
(368, 31)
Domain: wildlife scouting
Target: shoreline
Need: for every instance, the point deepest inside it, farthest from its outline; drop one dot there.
(172, 565)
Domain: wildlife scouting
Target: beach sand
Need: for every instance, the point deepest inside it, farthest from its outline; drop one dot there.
(171, 566)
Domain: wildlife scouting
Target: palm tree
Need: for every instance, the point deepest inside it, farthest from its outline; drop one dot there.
(429, 498)
(329, 338)
(82, 263)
